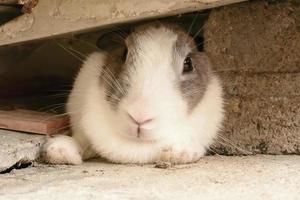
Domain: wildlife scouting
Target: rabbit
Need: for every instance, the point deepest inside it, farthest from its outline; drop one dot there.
(152, 98)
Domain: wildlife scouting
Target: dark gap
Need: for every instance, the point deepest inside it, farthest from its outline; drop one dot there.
(19, 165)
(9, 12)
(199, 40)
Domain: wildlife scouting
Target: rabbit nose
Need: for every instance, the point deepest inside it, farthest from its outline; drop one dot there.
(141, 120)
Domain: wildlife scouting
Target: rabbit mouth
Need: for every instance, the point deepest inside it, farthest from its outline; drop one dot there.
(140, 134)
(141, 139)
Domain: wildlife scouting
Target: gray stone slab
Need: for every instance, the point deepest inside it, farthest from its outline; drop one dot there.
(213, 177)
(56, 17)
(15, 147)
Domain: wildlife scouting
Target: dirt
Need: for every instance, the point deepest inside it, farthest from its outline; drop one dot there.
(163, 165)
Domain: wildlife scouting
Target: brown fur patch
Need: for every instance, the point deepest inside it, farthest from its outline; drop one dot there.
(193, 89)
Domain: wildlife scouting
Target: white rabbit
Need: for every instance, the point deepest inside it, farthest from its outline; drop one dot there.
(154, 98)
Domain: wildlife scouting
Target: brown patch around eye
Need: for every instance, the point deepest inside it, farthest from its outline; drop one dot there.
(193, 88)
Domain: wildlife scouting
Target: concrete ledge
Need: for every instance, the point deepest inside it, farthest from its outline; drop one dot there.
(52, 18)
(16, 147)
(214, 177)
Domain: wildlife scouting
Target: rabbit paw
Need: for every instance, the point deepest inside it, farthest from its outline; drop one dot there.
(61, 150)
(179, 155)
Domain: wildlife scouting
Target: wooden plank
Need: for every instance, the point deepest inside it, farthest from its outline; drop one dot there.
(33, 121)
(55, 17)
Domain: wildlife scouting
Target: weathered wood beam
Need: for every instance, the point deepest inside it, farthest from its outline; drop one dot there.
(33, 121)
(56, 17)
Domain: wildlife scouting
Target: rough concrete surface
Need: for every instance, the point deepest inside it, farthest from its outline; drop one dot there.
(52, 18)
(18, 147)
(255, 47)
(213, 177)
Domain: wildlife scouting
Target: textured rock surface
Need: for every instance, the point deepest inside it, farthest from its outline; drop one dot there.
(18, 147)
(213, 177)
(255, 47)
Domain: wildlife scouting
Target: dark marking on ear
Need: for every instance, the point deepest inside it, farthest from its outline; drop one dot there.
(114, 42)
(111, 41)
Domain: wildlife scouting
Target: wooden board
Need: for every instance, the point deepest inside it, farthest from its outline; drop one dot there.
(33, 121)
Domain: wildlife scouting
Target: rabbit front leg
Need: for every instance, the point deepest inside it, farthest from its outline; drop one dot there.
(61, 150)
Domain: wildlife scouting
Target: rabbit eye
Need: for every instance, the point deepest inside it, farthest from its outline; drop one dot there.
(187, 65)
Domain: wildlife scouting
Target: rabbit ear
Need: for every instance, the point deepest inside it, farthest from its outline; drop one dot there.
(112, 41)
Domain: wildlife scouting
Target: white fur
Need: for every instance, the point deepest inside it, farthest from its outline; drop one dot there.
(174, 135)
(62, 150)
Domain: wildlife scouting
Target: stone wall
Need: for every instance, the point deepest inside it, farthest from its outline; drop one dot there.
(255, 47)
